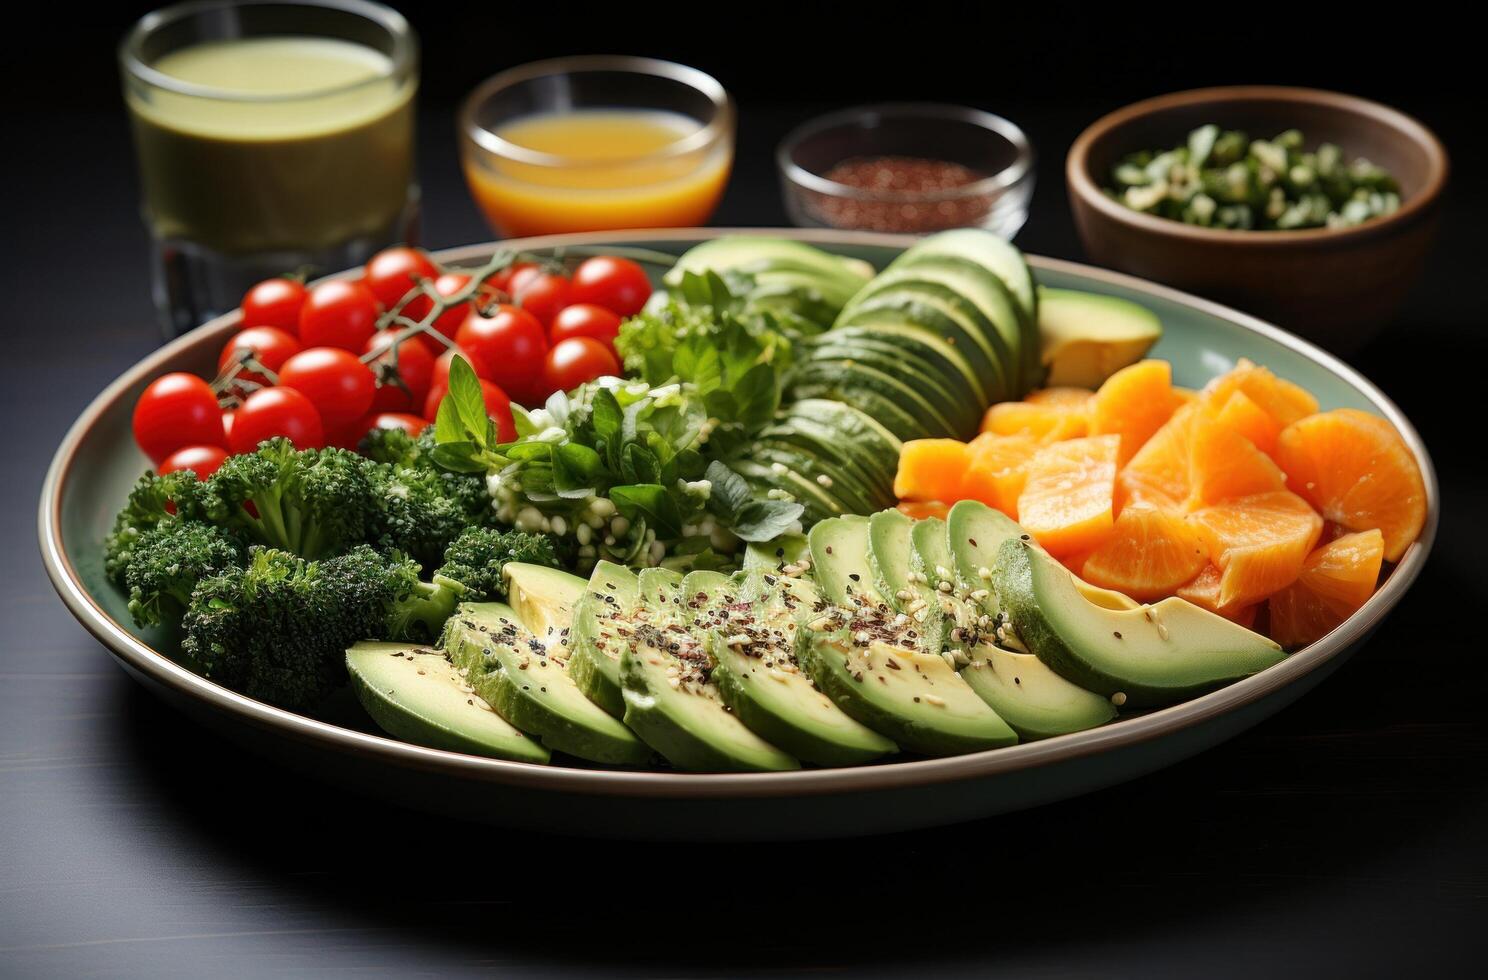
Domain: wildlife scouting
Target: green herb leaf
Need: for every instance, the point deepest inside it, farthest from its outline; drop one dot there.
(651, 503)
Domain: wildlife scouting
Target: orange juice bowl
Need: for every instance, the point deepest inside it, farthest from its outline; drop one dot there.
(597, 143)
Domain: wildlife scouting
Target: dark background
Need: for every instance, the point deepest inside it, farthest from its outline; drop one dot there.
(1346, 837)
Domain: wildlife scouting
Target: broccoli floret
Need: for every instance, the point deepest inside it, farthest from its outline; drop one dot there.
(154, 499)
(473, 563)
(167, 561)
(311, 502)
(422, 507)
(278, 629)
(392, 446)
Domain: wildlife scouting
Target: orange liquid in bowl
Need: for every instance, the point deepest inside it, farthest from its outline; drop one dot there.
(616, 172)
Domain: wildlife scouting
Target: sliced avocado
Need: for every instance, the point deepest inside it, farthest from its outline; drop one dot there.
(974, 533)
(949, 316)
(764, 477)
(914, 698)
(759, 677)
(872, 478)
(594, 635)
(929, 565)
(895, 419)
(1086, 337)
(1145, 656)
(919, 342)
(841, 562)
(834, 277)
(837, 481)
(671, 700)
(941, 387)
(910, 289)
(1030, 697)
(860, 437)
(889, 553)
(416, 694)
(851, 379)
(772, 556)
(992, 297)
(544, 598)
(524, 674)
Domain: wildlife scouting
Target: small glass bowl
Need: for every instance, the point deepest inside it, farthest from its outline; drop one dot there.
(995, 152)
(524, 192)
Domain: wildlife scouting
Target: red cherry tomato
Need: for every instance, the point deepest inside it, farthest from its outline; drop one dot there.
(619, 285)
(271, 347)
(339, 385)
(586, 320)
(275, 303)
(392, 272)
(340, 314)
(415, 371)
(272, 412)
(544, 295)
(175, 411)
(227, 421)
(508, 348)
(442, 367)
(448, 322)
(573, 361)
(201, 460)
(512, 276)
(411, 424)
(498, 406)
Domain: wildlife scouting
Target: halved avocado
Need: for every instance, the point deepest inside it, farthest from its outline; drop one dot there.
(1144, 656)
(1086, 337)
(418, 695)
(524, 676)
(594, 636)
(671, 701)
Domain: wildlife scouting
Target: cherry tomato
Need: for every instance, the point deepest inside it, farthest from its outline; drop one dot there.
(509, 278)
(271, 412)
(619, 285)
(543, 295)
(415, 371)
(340, 314)
(442, 366)
(498, 406)
(392, 272)
(448, 322)
(573, 361)
(228, 415)
(274, 303)
(201, 460)
(508, 348)
(339, 385)
(586, 320)
(411, 424)
(175, 411)
(271, 347)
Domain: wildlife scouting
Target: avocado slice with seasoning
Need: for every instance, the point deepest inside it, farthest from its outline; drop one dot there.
(523, 674)
(1143, 656)
(774, 555)
(1036, 702)
(595, 637)
(417, 694)
(750, 628)
(671, 699)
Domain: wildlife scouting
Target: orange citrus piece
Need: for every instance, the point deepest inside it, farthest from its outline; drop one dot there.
(931, 469)
(1203, 591)
(1258, 542)
(1335, 581)
(1240, 413)
(1357, 471)
(1159, 470)
(1279, 398)
(1050, 414)
(1133, 403)
(998, 470)
(920, 509)
(1067, 500)
(1150, 553)
(1223, 464)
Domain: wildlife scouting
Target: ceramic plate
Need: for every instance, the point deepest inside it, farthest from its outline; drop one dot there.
(97, 462)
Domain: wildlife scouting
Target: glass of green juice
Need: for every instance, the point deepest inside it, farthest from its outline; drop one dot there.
(273, 138)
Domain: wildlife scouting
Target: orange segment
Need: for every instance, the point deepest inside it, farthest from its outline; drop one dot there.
(1242, 414)
(1203, 591)
(1223, 464)
(1358, 472)
(1067, 500)
(1159, 470)
(998, 470)
(1050, 415)
(1336, 580)
(931, 469)
(1277, 397)
(920, 509)
(1133, 403)
(1258, 542)
(1150, 553)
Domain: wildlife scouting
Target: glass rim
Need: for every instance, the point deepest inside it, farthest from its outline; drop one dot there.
(703, 83)
(993, 183)
(404, 53)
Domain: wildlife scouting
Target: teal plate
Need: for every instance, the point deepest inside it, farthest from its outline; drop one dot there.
(97, 462)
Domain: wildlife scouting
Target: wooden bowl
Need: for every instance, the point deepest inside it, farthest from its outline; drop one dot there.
(1337, 287)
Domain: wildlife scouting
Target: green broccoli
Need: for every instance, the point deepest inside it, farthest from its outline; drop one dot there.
(422, 509)
(167, 561)
(154, 499)
(278, 629)
(311, 502)
(396, 447)
(473, 563)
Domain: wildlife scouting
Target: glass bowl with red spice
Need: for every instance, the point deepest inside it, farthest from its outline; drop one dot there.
(912, 168)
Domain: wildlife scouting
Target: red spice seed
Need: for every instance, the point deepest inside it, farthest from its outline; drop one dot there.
(902, 176)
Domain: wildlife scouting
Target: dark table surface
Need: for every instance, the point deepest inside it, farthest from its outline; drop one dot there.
(1344, 837)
